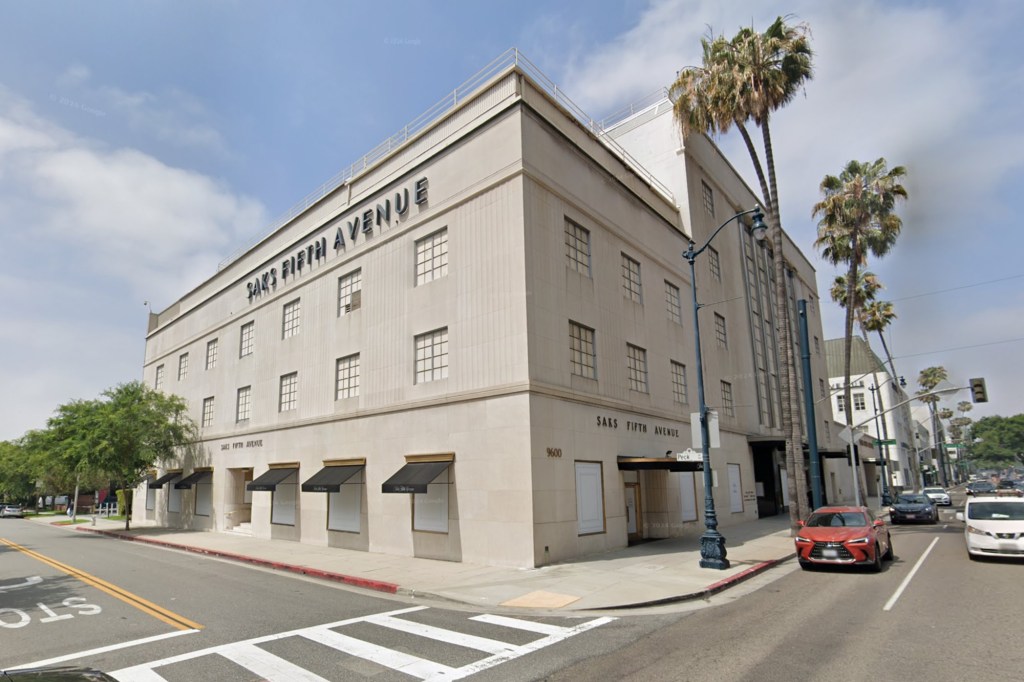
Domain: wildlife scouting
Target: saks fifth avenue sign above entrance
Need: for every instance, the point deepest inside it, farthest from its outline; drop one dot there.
(347, 229)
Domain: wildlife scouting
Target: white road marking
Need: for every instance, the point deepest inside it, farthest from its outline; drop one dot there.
(271, 667)
(104, 649)
(906, 581)
(31, 580)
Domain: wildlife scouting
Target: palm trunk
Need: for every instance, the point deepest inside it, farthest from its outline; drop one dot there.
(851, 278)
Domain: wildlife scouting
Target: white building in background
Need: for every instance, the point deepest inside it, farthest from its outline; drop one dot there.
(876, 395)
(477, 344)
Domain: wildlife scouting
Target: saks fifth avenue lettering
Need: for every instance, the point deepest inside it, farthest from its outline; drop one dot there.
(636, 427)
(362, 222)
(240, 444)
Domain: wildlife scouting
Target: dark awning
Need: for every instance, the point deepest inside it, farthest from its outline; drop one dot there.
(414, 477)
(330, 478)
(192, 479)
(669, 463)
(159, 483)
(268, 480)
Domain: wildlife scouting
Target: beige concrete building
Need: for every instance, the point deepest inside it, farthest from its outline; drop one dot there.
(477, 344)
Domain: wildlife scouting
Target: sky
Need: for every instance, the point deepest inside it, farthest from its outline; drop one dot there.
(144, 142)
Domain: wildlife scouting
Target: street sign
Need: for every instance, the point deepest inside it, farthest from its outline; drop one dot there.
(951, 446)
(689, 455)
(885, 442)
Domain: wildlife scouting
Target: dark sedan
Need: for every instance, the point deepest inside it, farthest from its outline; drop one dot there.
(980, 488)
(913, 508)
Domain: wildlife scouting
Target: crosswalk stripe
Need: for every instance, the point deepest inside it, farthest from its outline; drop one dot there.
(396, 660)
(491, 646)
(141, 673)
(268, 666)
(518, 624)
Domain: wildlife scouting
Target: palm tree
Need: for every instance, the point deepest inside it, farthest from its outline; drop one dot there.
(864, 293)
(875, 317)
(742, 80)
(928, 379)
(857, 219)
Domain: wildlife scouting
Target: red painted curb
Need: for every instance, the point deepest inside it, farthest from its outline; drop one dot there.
(355, 581)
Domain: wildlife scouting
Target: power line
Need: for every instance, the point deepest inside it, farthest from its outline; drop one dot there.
(965, 286)
(946, 350)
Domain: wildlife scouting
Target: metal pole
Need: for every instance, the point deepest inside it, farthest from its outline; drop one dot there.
(712, 544)
(812, 429)
(886, 499)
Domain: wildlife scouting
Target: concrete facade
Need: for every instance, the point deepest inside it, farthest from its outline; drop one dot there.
(462, 339)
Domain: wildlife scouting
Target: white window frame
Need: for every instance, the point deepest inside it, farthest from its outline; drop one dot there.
(183, 367)
(577, 247)
(430, 510)
(430, 351)
(247, 339)
(246, 414)
(632, 285)
(288, 396)
(582, 351)
(208, 406)
(721, 334)
(673, 302)
(859, 401)
(291, 318)
(636, 368)
(346, 377)
(728, 405)
(590, 518)
(211, 353)
(348, 284)
(432, 257)
(158, 382)
(715, 263)
(284, 501)
(344, 508)
(680, 390)
(708, 198)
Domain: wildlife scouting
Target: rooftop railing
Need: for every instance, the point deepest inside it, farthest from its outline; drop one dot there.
(508, 60)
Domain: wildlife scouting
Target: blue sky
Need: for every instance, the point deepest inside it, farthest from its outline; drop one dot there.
(141, 143)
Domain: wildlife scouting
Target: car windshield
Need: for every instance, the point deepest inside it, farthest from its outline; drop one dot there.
(984, 486)
(996, 511)
(836, 519)
(913, 499)
(933, 491)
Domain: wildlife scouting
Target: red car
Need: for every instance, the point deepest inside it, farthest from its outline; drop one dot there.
(839, 536)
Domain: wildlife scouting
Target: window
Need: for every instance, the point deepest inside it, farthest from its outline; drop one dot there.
(817, 346)
(283, 500)
(631, 279)
(720, 335)
(208, 411)
(211, 353)
(174, 496)
(347, 377)
(150, 493)
(432, 356)
(246, 339)
(673, 303)
(289, 392)
(243, 405)
(344, 508)
(840, 404)
(577, 247)
(290, 319)
(582, 357)
(714, 263)
(727, 404)
(709, 198)
(589, 498)
(821, 388)
(636, 367)
(432, 257)
(158, 384)
(182, 366)
(430, 509)
(679, 391)
(204, 495)
(859, 402)
(348, 285)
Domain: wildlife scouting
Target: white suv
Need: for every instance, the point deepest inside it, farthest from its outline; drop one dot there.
(938, 496)
(994, 526)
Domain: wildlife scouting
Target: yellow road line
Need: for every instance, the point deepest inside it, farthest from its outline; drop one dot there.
(158, 612)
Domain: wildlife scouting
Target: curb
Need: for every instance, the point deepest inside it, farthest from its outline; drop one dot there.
(355, 581)
(708, 591)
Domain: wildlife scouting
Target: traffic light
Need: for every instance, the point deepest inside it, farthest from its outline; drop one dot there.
(978, 392)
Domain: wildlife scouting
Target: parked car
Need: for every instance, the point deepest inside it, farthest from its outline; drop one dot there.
(938, 496)
(980, 488)
(64, 673)
(13, 511)
(914, 507)
(843, 536)
(994, 526)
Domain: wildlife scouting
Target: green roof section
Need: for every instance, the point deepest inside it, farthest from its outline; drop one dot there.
(862, 359)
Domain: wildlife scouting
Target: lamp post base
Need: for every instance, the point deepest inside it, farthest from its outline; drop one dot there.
(712, 551)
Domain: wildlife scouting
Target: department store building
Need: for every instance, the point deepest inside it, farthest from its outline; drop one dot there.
(477, 344)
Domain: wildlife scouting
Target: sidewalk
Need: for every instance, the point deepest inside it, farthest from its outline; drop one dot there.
(647, 574)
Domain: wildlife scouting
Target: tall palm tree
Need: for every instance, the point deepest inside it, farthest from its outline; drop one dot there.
(875, 317)
(928, 379)
(857, 219)
(743, 80)
(864, 293)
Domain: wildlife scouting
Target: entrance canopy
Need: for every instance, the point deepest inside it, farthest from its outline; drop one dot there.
(192, 479)
(666, 463)
(330, 478)
(268, 480)
(414, 477)
(169, 476)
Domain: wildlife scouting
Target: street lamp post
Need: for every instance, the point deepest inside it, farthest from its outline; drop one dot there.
(712, 543)
(883, 447)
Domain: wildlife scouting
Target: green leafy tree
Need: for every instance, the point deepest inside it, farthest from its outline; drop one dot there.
(123, 434)
(998, 441)
(17, 483)
(743, 81)
(856, 219)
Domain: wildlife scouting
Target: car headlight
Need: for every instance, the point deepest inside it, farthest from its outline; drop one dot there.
(977, 531)
(803, 539)
(858, 541)
(893, 511)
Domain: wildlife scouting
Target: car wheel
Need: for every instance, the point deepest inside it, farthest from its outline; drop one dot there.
(888, 556)
(876, 567)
